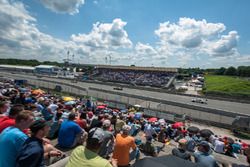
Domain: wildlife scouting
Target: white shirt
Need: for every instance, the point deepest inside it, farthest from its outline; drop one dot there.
(219, 146)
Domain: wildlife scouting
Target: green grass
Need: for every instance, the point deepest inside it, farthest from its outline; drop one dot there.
(227, 85)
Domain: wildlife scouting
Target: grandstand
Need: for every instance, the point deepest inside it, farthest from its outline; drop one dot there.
(144, 76)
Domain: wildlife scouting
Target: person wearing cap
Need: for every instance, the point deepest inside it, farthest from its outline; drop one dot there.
(70, 133)
(88, 155)
(108, 140)
(181, 151)
(32, 152)
(203, 157)
(124, 143)
(13, 137)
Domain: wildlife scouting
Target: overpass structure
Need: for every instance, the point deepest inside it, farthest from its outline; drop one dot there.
(216, 112)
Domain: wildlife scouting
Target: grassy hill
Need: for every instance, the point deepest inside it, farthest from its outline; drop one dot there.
(227, 85)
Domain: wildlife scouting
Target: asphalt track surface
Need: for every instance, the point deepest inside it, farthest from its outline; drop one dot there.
(228, 106)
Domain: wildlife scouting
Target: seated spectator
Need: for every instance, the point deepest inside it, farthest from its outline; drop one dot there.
(123, 144)
(32, 151)
(247, 158)
(149, 148)
(202, 157)
(13, 137)
(87, 156)
(7, 121)
(219, 146)
(190, 142)
(181, 150)
(82, 122)
(236, 147)
(108, 140)
(229, 151)
(70, 133)
(4, 105)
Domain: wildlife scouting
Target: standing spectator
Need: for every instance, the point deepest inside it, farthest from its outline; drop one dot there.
(32, 151)
(12, 139)
(123, 144)
(10, 120)
(181, 150)
(87, 156)
(202, 156)
(70, 133)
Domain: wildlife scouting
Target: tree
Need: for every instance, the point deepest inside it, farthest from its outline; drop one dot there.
(243, 71)
(231, 71)
(220, 71)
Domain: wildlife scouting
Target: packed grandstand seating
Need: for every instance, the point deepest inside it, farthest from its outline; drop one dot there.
(144, 78)
(71, 119)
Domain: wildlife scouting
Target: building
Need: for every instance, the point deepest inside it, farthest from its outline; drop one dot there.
(47, 69)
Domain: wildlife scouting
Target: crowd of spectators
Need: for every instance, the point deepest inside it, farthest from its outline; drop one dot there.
(99, 136)
(144, 78)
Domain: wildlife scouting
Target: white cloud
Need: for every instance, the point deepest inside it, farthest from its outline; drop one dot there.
(145, 50)
(243, 59)
(196, 38)
(187, 32)
(20, 38)
(105, 35)
(63, 6)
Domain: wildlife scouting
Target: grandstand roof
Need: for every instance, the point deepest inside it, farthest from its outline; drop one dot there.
(163, 69)
(18, 67)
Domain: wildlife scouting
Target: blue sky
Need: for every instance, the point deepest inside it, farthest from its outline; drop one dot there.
(179, 33)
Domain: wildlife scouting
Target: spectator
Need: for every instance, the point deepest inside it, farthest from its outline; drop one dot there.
(219, 146)
(247, 159)
(87, 156)
(12, 139)
(202, 157)
(4, 106)
(119, 124)
(82, 122)
(10, 120)
(149, 131)
(236, 147)
(70, 133)
(32, 151)
(181, 150)
(123, 144)
(149, 148)
(108, 140)
(190, 142)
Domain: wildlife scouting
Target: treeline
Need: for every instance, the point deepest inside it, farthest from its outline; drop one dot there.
(243, 71)
(28, 62)
(34, 63)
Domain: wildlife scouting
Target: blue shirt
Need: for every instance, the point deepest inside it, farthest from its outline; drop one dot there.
(67, 133)
(205, 160)
(31, 153)
(11, 141)
(236, 148)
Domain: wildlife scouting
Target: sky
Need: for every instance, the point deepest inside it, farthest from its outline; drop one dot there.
(164, 33)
